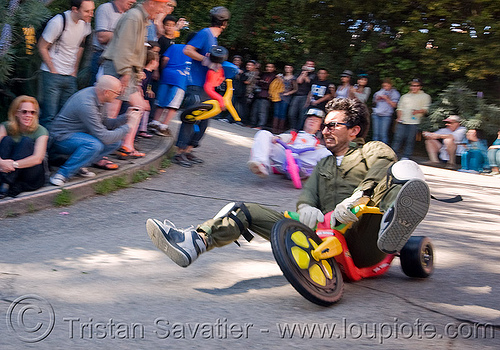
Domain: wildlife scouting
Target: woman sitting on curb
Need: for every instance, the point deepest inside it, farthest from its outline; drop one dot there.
(23, 144)
(494, 155)
(475, 156)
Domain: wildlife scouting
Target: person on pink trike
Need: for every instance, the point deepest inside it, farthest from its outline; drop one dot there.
(267, 153)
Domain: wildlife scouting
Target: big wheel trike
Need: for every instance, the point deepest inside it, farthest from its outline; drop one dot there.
(292, 165)
(315, 263)
(210, 108)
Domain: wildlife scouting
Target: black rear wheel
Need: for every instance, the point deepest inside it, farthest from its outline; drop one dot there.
(191, 115)
(318, 281)
(417, 257)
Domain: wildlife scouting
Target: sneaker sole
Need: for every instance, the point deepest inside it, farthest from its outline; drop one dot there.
(410, 208)
(158, 236)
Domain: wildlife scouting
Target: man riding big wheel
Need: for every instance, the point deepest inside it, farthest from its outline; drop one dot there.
(356, 172)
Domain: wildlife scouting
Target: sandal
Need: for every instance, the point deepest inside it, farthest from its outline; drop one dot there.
(105, 164)
(144, 134)
(124, 152)
(136, 154)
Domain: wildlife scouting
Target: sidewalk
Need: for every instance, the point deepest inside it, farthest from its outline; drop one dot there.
(78, 188)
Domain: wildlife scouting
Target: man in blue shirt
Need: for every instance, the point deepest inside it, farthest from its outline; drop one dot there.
(197, 49)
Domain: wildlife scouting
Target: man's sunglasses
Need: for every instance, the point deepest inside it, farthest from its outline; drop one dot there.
(333, 125)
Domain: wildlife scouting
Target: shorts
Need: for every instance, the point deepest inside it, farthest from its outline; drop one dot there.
(169, 96)
(108, 68)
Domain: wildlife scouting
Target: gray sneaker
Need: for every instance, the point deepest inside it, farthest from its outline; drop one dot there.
(85, 172)
(58, 180)
(402, 218)
(182, 246)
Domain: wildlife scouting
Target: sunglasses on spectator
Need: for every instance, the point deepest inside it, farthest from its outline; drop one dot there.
(333, 125)
(26, 111)
(115, 92)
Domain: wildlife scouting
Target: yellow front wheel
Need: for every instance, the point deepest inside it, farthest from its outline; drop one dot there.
(319, 281)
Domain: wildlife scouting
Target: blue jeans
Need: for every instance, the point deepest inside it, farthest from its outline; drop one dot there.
(94, 66)
(473, 160)
(280, 109)
(57, 89)
(494, 157)
(405, 133)
(191, 134)
(84, 149)
(260, 111)
(296, 112)
(381, 125)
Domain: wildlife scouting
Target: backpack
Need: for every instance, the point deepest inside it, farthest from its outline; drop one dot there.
(39, 32)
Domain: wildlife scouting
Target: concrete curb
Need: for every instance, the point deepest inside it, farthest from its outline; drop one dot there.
(78, 188)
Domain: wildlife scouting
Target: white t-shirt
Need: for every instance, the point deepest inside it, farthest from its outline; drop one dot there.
(106, 18)
(410, 102)
(64, 52)
(458, 135)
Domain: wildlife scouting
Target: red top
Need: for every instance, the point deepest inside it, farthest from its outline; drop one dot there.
(213, 80)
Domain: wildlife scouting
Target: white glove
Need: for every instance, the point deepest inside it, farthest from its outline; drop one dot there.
(309, 216)
(343, 213)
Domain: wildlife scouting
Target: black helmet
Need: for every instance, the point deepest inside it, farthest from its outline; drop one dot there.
(220, 13)
(218, 54)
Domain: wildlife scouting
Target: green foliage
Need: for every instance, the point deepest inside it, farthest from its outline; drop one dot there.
(110, 185)
(458, 99)
(18, 65)
(401, 40)
(140, 176)
(165, 162)
(440, 41)
(31, 208)
(63, 198)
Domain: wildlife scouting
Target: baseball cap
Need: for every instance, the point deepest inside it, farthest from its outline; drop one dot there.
(346, 73)
(314, 112)
(453, 118)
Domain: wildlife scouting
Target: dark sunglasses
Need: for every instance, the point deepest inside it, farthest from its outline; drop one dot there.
(25, 111)
(333, 125)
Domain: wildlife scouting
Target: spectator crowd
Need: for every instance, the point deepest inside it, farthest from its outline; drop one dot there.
(141, 77)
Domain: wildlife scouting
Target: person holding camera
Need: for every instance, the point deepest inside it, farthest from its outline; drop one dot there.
(384, 102)
(84, 131)
(297, 106)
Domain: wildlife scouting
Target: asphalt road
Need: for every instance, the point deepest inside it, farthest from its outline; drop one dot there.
(87, 276)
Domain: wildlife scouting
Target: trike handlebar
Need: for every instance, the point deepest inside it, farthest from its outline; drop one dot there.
(342, 228)
(293, 149)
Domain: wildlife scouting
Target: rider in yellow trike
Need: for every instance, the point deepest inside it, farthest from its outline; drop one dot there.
(356, 172)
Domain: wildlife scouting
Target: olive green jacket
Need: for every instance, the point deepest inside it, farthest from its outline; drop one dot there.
(126, 49)
(363, 167)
